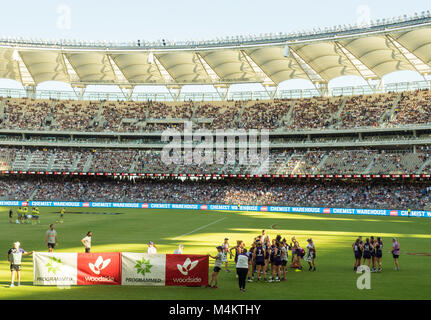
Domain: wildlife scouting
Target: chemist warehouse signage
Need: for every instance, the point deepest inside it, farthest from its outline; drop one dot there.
(224, 207)
(125, 268)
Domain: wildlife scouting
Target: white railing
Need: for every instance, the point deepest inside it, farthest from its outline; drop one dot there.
(214, 96)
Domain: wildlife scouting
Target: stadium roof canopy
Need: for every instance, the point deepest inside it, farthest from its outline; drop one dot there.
(370, 52)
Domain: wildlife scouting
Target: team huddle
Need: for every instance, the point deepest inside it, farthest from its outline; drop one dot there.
(265, 258)
(25, 216)
(371, 251)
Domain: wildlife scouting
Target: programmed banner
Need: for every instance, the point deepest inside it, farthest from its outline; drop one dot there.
(223, 207)
(114, 268)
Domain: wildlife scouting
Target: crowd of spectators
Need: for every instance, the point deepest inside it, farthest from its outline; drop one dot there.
(384, 109)
(322, 193)
(413, 107)
(366, 110)
(314, 113)
(279, 161)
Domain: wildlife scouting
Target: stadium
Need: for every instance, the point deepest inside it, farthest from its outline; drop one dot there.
(145, 170)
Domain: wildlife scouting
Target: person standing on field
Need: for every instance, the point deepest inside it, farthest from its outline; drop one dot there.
(51, 238)
(225, 246)
(217, 267)
(242, 268)
(14, 256)
(395, 252)
(86, 241)
(10, 215)
(179, 250)
(152, 249)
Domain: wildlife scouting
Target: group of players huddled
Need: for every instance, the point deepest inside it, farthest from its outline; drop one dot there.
(266, 257)
(371, 251)
(25, 216)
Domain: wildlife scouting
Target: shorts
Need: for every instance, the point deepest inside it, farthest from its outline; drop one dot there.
(87, 250)
(277, 262)
(378, 255)
(358, 255)
(367, 256)
(284, 263)
(51, 245)
(36, 217)
(260, 262)
(310, 256)
(395, 255)
(15, 267)
(217, 269)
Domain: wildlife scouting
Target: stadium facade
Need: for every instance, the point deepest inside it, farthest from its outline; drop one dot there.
(369, 51)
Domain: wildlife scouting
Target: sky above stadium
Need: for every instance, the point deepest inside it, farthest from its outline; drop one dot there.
(129, 20)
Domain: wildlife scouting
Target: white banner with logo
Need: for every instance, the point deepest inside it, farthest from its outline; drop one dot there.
(50, 269)
(142, 269)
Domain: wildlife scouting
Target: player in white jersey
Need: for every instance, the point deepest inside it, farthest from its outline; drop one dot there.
(217, 267)
(311, 255)
(14, 256)
(86, 241)
(225, 247)
(152, 249)
(51, 238)
(284, 258)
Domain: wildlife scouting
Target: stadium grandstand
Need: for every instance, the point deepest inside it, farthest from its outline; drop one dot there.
(102, 145)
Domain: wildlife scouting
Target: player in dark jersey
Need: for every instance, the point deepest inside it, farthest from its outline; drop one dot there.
(10, 215)
(299, 254)
(20, 214)
(271, 254)
(276, 275)
(259, 257)
(250, 275)
(267, 247)
(373, 253)
(379, 253)
(368, 247)
(357, 251)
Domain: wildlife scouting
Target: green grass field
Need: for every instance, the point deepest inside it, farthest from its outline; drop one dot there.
(201, 231)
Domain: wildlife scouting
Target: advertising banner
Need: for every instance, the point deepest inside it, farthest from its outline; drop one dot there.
(51, 269)
(186, 270)
(142, 269)
(115, 268)
(99, 268)
(220, 207)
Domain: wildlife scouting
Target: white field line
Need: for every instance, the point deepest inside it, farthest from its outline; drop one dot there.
(200, 228)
